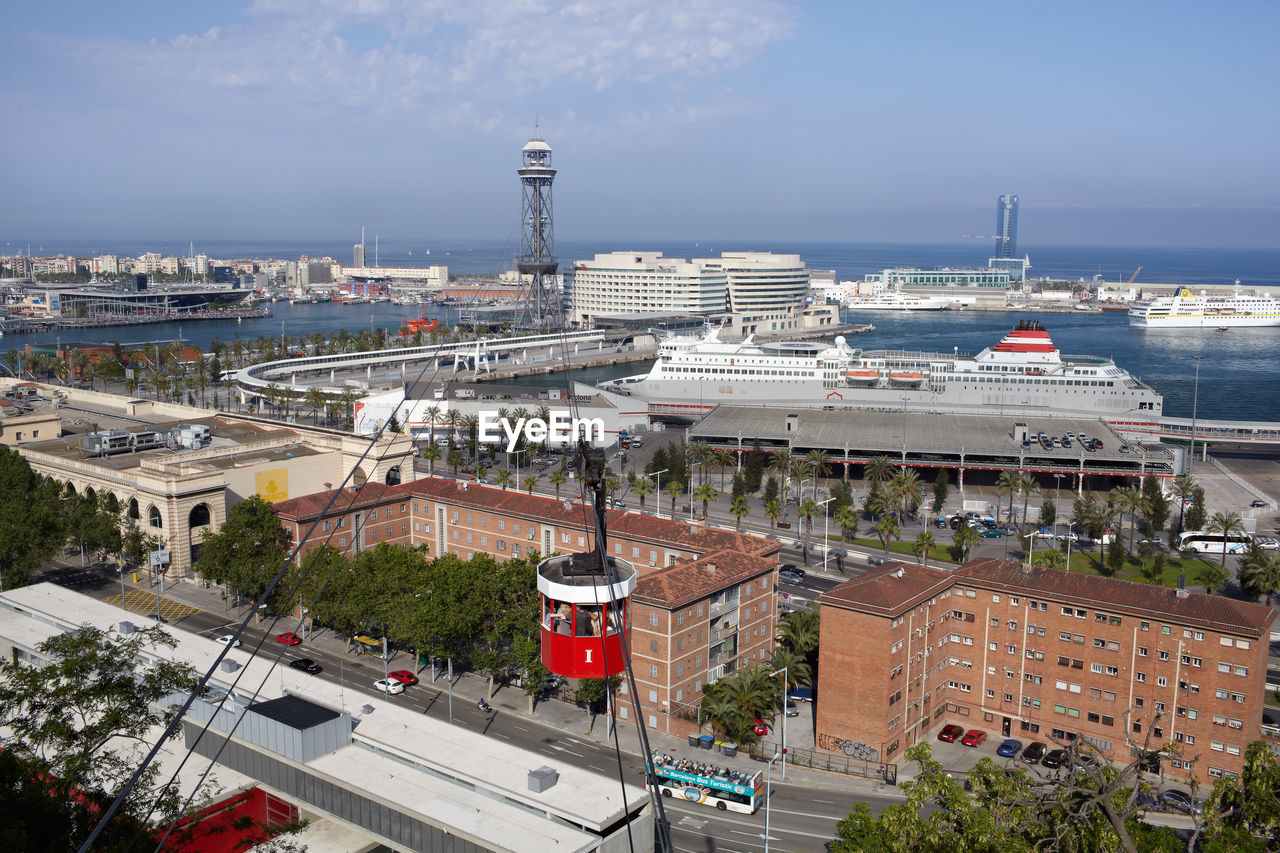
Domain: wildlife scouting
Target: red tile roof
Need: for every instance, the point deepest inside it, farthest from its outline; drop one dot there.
(684, 583)
(309, 507)
(631, 525)
(889, 589)
(1216, 612)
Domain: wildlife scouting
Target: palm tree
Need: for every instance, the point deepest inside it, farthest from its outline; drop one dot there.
(455, 458)
(1028, 486)
(878, 469)
(723, 457)
(1051, 558)
(780, 464)
(739, 507)
(921, 547)
(807, 510)
(1129, 499)
(1259, 572)
(1227, 524)
(798, 669)
(479, 470)
(673, 490)
(907, 490)
(773, 512)
(847, 519)
(642, 489)
(432, 413)
(700, 452)
(965, 538)
(705, 493)
(800, 630)
(1183, 486)
(1008, 479)
(530, 483)
(431, 453)
(558, 478)
(820, 462)
(887, 528)
(504, 478)
(1212, 577)
(315, 401)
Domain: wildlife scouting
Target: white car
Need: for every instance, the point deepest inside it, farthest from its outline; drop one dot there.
(229, 640)
(1067, 537)
(392, 686)
(1268, 543)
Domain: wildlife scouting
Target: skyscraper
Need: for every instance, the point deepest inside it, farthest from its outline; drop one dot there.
(1007, 226)
(357, 251)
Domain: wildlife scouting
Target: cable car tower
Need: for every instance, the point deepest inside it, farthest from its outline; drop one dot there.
(537, 235)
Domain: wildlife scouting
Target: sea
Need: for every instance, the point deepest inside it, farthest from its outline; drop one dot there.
(1238, 370)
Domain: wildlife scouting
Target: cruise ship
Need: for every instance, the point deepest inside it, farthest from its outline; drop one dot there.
(1187, 310)
(896, 300)
(1022, 374)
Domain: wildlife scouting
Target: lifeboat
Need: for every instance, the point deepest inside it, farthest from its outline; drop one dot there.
(906, 377)
(862, 375)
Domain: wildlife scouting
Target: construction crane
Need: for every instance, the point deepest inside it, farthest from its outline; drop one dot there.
(1132, 277)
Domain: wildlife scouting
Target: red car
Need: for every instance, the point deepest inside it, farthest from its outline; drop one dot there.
(288, 638)
(758, 726)
(950, 733)
(404, 676)
(973, 737)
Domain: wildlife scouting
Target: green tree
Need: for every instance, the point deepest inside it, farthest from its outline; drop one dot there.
(1211, 577)
(1048, 512)
(770, 490)
(32, 522)
(1157, 505)
(455, 459)
(642, 489)
(1010, 480)
(807, 511)
(799, 631)
(504, 478)
(529, 483)
(941, 489)
(673, 490)
(1226, 524)
(557, 479)
(846, 518)
(1259, 572)
(963, 541)
(773, 512)
(1243, 815)
(1183, 486)
(887, 528)
(1115, 558)
(739, 508)
(247, 551)
(1027, 486)
(753, 468)
(1129, 499)
(707, 494)
(907, 491)
(431, 453)
(1196, 516)
(921, 547)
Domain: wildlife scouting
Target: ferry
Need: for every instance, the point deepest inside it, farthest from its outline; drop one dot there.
(896, 300)
(1022, 374)
(1186, 310)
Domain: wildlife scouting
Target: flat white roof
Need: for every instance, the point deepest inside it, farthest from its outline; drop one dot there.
(446, 776)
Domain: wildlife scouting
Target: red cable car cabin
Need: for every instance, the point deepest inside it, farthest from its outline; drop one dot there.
(583, 616)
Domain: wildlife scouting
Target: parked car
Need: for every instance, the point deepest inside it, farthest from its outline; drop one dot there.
(388, 685)
(1009, 748)
(307, 665)
(404, 676)
(973, 737)
(758, 726)
(801, 694)
(792, 567)
(792, 709)
(229, 640)
(1258, 504)
(940, 522)
(1067, 537)
(1034, 753)
(1267, 543)
(788, 576)
(1179, 801)
(288, 638)
(1054, 758)
(950, 732)
(991, 533)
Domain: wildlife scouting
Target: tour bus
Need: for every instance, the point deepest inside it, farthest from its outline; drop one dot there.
(1213, 543)
(708, 785)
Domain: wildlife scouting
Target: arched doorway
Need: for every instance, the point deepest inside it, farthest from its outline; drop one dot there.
(199, 516)
(393, 475)
(154, 518)
(135, 513)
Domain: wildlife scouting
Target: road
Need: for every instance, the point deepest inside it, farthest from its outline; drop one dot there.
(801, 817)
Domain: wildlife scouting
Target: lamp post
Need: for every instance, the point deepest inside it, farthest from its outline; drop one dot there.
(1195, 399)
(826, 546)
(800, 492)
(786, 682)
(657, 488)
(516, 454)
(768, 791)
(691, 467)
(1031, 544)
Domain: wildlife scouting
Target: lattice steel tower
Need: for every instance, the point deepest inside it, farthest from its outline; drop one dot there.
(537, 238)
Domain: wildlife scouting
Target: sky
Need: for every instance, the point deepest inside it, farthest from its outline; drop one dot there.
(1136, 123)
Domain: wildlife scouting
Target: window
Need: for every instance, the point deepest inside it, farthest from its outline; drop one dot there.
(1162, 681)
(1140, 676)
(1240, 670)
(1164, 655)
(1142, 651)
(653, 671)
(653, 619)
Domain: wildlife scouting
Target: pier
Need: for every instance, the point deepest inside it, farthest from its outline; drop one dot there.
(35, 325)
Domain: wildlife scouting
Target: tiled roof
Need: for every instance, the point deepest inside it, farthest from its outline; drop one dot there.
(1121, 596)
(703, 540)
(889, 589)
(681, 584)
(311, 506)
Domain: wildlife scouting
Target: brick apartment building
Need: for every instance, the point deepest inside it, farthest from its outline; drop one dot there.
(704, 601)
(1041, 654)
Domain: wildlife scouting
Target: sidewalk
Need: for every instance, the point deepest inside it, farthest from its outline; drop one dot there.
(555, 714)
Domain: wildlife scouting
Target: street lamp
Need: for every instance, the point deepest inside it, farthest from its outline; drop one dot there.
(800, 491)
(1031, 544)
(826, 546)
(1195, 399)
(657, 489)
(691, 467)
(768, 791)
(516, 454)
(786, 682)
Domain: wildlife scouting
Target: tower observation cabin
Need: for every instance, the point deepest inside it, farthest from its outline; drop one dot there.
(584, 616)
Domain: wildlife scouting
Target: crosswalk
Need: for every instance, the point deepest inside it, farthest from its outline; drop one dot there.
(145, 603)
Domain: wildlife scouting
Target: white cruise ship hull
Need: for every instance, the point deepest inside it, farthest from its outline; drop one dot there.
(1203, 321)
(1188, 311)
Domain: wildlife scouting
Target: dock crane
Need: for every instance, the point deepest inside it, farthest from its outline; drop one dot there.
(1132, 277)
